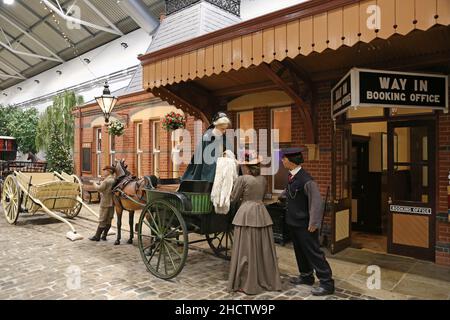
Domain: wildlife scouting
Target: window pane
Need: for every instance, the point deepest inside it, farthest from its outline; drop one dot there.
(281, 120)
(156, 139)
(411, 144)
(113, 143)
(139, 136)
(411, 183)
(245, 122)
(99, 139)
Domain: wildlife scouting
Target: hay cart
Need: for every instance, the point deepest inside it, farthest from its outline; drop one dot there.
(44, 191)
(170, 217)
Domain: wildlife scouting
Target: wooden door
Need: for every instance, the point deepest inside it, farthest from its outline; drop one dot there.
(341, 190)
(412, 182)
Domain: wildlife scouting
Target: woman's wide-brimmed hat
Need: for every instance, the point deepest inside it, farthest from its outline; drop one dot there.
(250, 159)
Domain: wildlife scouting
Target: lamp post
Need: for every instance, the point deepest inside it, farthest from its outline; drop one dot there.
(106, 102)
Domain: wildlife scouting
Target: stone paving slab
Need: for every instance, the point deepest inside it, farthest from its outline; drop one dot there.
(38, 262)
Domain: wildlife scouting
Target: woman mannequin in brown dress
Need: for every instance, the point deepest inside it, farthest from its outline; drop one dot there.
(254, 266)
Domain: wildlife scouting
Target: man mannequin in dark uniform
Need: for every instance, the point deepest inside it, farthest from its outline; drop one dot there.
(304, 216)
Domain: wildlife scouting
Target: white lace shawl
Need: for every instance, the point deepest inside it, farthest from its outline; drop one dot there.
(226, 174)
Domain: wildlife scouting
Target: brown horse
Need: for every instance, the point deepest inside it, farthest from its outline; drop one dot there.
(33, 157)
(129, 194)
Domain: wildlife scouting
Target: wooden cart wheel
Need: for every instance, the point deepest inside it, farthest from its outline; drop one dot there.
(162, 239)
(221, 243)
(11, 199)
(73, 212)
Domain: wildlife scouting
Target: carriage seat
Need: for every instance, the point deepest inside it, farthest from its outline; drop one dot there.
(195, 186)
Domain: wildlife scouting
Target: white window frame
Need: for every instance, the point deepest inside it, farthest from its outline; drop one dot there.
(139, 150)
(98, 151)
(112, 152)
(155, 152)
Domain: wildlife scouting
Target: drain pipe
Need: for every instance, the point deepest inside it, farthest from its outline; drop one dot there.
(140, 13)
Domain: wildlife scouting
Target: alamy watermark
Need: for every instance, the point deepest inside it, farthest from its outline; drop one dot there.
(374, 280)
(73, 277)
(211, 145)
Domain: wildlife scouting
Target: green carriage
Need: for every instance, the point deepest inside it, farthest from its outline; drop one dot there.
(170, 217)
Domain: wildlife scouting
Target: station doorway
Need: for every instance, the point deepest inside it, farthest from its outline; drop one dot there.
(384, 186)
(369, 185)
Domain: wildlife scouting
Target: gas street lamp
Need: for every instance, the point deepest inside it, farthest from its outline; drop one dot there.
(106, 102)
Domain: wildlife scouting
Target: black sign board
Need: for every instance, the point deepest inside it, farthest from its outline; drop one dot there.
(341, 95)
(396, 89)
(378, 88)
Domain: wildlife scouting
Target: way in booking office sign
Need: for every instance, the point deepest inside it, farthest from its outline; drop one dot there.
(402, 89)
(388, 89)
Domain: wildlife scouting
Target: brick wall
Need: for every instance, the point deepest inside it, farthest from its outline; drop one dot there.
(126, 144)
(321, 169)
(443, 225)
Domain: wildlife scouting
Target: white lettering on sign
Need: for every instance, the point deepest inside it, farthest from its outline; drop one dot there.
(387, 96)
(396, 84)
(411, 210)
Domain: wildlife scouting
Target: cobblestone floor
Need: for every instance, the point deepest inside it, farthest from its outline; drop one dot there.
(37, 261)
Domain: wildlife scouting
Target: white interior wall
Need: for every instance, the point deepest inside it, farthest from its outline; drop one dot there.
(105, 60)
(108, 59)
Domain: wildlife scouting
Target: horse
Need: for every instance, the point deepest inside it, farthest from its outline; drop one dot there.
(33, 157)
(129, 195)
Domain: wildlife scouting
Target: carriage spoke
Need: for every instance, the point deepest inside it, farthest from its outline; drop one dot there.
(151, 228)
(172, 240)
(172, 231)
(175, 251)
(150, 236)
(164, 257)
(170, 257)
(154, 251)
(168, 231)
(159, 257)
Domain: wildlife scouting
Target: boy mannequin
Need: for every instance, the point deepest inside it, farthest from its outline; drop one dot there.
(106, 203)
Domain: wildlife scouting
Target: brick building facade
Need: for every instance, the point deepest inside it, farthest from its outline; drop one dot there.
(277, 72)
(137, 109)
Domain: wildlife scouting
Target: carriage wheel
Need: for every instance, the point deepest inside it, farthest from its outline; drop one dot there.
(73, 212)
(221, 243)
(162, 239)
(11, 199)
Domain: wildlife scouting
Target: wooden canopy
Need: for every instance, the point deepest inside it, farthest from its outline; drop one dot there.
(272, 47)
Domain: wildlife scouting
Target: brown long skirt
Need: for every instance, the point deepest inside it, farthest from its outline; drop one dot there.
(254, 266)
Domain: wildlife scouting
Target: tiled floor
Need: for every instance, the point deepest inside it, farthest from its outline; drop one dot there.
(35, 258)
(362, 240)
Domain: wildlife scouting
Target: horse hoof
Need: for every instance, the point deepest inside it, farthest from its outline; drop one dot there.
(130, 241)
(117, 242)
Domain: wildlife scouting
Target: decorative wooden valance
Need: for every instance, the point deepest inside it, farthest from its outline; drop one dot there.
(299, 30)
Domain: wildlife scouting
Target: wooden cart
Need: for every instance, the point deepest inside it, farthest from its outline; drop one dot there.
(168, 219)
(46, 191)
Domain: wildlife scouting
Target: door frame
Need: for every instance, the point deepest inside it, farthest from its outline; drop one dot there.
(360, 140)
(415, 252)
(346, 204)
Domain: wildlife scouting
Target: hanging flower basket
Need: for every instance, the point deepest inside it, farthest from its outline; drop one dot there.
(173, 121)
(116, 128)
